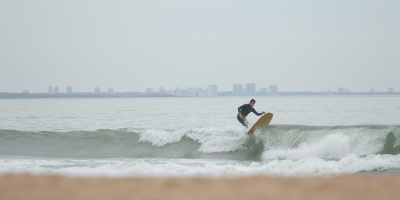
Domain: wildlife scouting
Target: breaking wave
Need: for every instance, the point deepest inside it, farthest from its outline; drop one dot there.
(290, 142)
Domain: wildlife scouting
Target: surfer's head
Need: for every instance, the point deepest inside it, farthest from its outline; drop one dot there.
(252, 102)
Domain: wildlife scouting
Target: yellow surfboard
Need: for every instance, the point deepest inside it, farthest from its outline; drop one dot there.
(264, 120)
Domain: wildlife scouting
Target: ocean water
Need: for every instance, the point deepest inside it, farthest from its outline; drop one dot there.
(308, 136)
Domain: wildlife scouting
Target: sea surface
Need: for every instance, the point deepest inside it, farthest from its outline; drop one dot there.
(308, 136)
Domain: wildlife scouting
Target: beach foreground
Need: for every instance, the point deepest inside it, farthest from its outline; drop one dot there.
(22, 186)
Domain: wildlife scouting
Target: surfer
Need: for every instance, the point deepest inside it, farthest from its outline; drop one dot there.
(244, 110)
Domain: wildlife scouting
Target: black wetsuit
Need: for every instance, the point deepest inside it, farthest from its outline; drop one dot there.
(245, 109)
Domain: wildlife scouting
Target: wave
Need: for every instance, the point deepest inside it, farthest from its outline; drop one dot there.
(271, 142)
(371, 164)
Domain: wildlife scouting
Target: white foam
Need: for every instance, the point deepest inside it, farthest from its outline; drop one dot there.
(180, 167)
(161, 137)
(215, 140)
(331, 147)
(212, 140)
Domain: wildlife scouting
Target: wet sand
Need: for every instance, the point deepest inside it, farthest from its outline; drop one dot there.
(42, 187)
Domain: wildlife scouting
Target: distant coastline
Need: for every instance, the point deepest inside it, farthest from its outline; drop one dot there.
(78, 95)
(5, 95)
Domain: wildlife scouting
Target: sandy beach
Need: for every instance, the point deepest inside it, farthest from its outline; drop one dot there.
(23, 186)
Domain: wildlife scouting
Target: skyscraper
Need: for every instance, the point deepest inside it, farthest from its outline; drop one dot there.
(50, 90)
(212, 90)
(161, 90)
(273, 90)
(250, 89)
(343, 90)
(237, 89)
(149, 90)
(56, 90)
(264, 91)
(97, 90)
(69, 89)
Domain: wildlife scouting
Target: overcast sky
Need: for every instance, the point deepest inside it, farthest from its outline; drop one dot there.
(299, 45)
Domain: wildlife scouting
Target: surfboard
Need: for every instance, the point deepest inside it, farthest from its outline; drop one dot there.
(264, 120)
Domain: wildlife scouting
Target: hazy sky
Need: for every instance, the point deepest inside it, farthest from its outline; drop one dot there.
(314, 45)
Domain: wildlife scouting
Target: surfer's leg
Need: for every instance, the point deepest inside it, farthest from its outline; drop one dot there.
(242, 121)
(246, 123)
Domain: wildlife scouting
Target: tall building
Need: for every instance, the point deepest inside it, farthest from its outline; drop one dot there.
(97, 90)
(191, 92)
(212, 90)
(180, 92)
(202, 93)
(110, 90)
(161, 90)
(170, 92)
(250, 89)
(69, 89)
(149, 90)
(343, 90)
(372, 90)
(391, 90)
(56, 90)
(264, 91)
(273, 90)
(237, 89)
(50, 90)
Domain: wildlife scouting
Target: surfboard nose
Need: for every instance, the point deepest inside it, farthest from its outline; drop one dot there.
(264, 120)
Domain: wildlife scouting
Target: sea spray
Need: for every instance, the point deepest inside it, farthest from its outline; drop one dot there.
(330, 147)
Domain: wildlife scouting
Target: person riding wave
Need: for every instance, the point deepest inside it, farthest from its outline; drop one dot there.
(244, 110)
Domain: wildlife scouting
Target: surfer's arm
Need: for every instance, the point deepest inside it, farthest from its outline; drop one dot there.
(255, 112)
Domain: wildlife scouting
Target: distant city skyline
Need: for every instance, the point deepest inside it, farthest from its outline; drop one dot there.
(248, 89)
(73, 88)
(237, 89)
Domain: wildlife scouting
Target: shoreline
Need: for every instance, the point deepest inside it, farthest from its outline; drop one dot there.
(28, 186)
